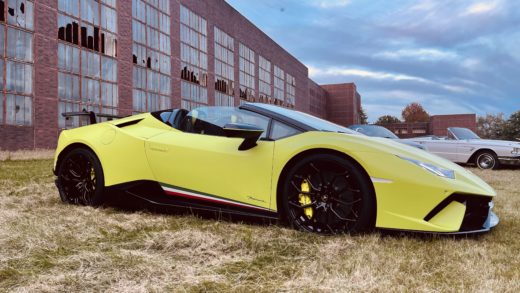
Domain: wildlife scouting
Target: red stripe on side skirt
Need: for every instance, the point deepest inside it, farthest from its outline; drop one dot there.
(210, 200)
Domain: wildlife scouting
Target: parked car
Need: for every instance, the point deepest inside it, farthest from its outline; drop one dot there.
(464, 146)
(268, 161)
(380, 131)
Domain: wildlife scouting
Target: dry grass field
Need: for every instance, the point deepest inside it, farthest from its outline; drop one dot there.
(47, 246)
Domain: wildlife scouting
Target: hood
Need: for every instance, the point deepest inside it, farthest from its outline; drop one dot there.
(464, 177)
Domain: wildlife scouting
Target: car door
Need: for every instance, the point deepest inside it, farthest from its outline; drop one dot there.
(211, 168)
(446, 148)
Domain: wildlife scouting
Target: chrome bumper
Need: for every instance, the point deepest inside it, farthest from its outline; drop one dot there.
(515, 161)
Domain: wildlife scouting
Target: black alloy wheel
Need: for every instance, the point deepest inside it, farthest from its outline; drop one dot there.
(80, 178)
(327, 194)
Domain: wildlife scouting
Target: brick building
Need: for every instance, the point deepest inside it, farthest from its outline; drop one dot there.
(437, 125)
(123, 57)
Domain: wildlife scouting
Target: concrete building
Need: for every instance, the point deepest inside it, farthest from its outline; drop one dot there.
(123, 57)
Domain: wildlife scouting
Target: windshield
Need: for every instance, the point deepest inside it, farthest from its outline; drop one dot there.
(463, 133)
(374, 130)
(309, 120)
(211, 120)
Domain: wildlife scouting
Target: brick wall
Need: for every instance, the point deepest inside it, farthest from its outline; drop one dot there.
(409, 130)
(318, 99)
(439, 123)
(343, 103)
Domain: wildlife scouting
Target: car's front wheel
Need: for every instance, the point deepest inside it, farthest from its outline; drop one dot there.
(328, 194)
(80, 178)
(487, 160)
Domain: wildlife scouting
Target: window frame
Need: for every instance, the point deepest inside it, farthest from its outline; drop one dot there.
(148, 16)
(84, 76)
(5, 92)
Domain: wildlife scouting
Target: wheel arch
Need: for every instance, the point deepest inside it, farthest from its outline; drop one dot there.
(475, 154)
(71, 147)
(306, 153)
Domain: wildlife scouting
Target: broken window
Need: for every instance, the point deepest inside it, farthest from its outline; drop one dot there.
(247, 73)
(290, 88)
(2, 19)
(224, 67)
(194, 59)
(279, 86)
(192, 95)
(68, 29)
(20, 13)
(151, 55)
(16, 62)
(87, 78)
(264, 76)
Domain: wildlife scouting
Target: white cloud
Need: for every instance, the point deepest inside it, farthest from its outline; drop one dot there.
(378, 75)
(336, 71)
(418, 54)
(481, 8)
(472, 63)
(330, 3)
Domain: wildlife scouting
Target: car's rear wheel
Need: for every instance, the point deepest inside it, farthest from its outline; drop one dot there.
(80, 178)
(327, 194)
(487, 160)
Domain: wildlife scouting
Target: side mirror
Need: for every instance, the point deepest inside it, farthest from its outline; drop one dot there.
(250, 134)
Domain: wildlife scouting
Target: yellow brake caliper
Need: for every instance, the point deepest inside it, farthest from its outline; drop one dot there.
(305, 199)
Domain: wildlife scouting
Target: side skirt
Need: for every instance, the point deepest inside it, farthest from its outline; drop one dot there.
(170, 196)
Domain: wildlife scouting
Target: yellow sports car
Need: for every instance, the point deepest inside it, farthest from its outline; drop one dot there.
(267, 161)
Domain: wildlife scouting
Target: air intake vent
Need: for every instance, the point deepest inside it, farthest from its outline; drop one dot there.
(128, 123)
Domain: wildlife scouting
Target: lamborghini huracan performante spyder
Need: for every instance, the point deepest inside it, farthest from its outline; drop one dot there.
(267, 161)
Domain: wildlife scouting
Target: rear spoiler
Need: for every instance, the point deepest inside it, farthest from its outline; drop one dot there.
(91, 115)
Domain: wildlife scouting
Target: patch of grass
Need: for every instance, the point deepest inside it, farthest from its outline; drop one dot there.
(50, 246)
(39, 154)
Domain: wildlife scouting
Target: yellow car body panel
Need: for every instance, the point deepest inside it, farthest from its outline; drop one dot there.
(123, 156)
(213, 165)
(151, 150)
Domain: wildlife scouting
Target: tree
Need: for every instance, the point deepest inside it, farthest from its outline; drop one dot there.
(387, 119)
(363, 118)
(414, 112)
(512, 127)
(491, 126)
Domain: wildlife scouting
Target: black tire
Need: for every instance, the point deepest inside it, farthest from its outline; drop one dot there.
(80, 178)
(487, 160)
(339, 195)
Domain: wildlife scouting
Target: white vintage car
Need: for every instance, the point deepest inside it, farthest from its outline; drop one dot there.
(464, 146)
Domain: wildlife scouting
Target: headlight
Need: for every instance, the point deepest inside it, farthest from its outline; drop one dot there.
(515, 151)
(446, 173)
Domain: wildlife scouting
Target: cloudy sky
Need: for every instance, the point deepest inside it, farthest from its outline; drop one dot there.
(452, 56)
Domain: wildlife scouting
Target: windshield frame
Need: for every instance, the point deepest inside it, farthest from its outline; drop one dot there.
(296, 118)
(375, 127)
(452, 130)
